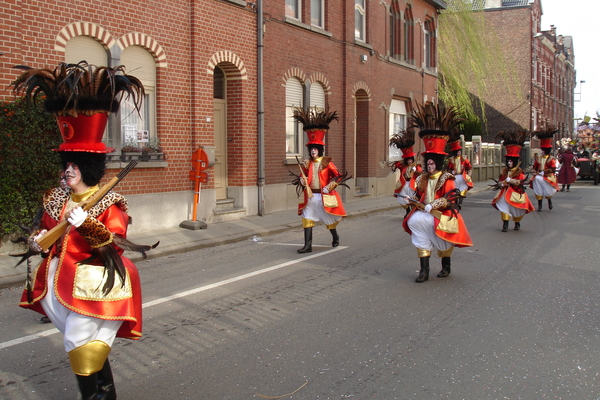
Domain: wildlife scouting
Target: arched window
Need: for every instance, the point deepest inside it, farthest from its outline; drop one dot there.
(140, 129)
(294, 93)
(84, 48)
(409, 36)
(395, 31)
(360, 20)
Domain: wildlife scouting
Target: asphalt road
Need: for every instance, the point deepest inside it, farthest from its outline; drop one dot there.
(516, 319)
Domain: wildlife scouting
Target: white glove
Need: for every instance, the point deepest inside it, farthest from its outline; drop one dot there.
(77, 217)
(428, 208)
(325, 190)
(507, 180)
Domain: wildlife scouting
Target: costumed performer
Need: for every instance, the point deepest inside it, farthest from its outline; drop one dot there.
(408, 168)
(90, 292)
(434, 220)
(460, 166)
(544, 182)
(319, 178)
(511, 200)
(567, 173)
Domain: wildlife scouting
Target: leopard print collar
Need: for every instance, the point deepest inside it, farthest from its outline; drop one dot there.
(56, 198)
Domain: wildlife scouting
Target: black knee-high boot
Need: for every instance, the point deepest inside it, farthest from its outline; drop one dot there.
(517, 226)
(504, 226)
(88, 386)
(550, 204)
(445, 268)
(336, 238)
(106, 383)
(539, 205)
(307, 241)
(424, 273)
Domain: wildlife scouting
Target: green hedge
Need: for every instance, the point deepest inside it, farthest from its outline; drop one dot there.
(28, 166)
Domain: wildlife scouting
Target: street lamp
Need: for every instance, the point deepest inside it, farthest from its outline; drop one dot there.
(580, 87)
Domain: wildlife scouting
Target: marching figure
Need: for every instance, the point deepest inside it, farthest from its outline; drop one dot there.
(90, 292)
(544, 181)
(567, 173)
(512, 201)
(408, 168)
(319, 179)
(434, 221)
(461, 168)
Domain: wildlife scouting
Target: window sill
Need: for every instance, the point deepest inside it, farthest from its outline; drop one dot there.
(140, 164)
(401, 63)
(360, 43)
(241, 3)
(300, 24)
(292, 160)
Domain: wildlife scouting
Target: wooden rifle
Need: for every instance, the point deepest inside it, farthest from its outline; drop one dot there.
(306, 187)
(50, 237)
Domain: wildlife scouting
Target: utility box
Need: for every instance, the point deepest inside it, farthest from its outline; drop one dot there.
(210, 152)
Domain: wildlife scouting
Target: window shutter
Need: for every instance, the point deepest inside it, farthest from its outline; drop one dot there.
(80, 48)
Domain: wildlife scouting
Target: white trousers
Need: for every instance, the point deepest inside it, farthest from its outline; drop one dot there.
(423, 232)
(542, 188)
(315, 211)
(77, 329)
(460, 183)
(504, 207)
(406, 191)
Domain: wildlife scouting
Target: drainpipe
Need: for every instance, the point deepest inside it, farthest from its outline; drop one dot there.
(261, 110)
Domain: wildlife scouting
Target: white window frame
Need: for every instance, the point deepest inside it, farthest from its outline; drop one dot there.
(293, 129)
(293, 8)
(360, 20)
(317, 6)
(397, 122)
(145, 121)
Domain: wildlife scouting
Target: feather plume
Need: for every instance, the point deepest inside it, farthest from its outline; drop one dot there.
(547, 133)
(403, 139)
(315, 117)
(430, 117)
(519, 136)
(71, 89)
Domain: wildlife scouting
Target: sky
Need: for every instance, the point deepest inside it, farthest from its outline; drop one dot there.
(577, 18)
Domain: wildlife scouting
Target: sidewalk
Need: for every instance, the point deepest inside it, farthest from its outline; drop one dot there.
(178, 240)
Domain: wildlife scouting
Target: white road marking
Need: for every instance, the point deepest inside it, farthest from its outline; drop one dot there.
(50, 332)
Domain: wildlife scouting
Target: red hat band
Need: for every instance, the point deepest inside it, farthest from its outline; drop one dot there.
(316, 136)
(513, 150)
(83, 133)
(435, 145)
(408, 152)
(546, 142)
(455, 145)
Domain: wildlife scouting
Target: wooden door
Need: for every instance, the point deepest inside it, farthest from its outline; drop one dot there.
(220, 149)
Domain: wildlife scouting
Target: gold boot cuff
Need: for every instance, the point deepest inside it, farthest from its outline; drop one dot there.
(307, 223)
(518, 219)
(89, 358)
(463, 193)
(423, 253)
(539, 197)
(504, 216)
(445, 253)
(333, 226)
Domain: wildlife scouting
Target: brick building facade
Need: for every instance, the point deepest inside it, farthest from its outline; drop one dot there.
(208, 75)
(544, 65)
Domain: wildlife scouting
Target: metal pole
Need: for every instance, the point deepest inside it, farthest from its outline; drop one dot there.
(261, 111)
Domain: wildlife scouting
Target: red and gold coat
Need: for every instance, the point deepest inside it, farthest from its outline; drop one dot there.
(513, 196)
(406, 172)
(445, 184)
(77, 286)
(327, 171)
(548, 169)
(465, 169)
